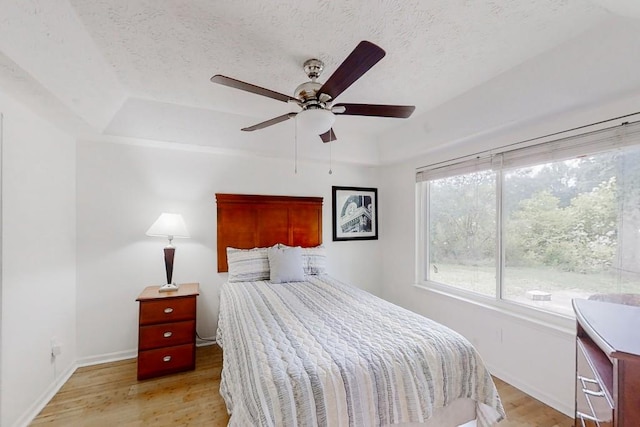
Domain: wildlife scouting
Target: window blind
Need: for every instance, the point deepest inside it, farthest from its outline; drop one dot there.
(559, 149)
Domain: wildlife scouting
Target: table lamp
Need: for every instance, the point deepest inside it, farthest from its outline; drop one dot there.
(169, 225)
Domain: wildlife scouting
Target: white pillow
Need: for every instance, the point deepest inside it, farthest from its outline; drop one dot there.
(314, 260)
(247, 265)
(285, 264)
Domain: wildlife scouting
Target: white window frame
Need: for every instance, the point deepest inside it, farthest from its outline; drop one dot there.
(504, 158)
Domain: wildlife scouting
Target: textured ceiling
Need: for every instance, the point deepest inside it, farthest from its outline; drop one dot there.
(140, 69)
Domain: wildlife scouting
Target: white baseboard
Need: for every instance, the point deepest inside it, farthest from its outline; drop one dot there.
(203, 342)
(41, 402)
(126, 354)
(546, 398)
(51, 391)
(37, 406)
(108, 357)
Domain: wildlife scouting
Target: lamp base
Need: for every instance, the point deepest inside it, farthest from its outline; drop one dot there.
(169, 287)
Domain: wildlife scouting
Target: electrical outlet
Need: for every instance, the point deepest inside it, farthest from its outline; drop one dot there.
(56, 348)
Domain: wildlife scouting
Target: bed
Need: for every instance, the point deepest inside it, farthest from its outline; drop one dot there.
(315, 351)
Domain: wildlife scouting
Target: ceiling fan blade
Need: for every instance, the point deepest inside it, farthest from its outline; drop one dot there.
(398, 111)
(248, 87)
(363, 57)
(328, 136)
(271, 122)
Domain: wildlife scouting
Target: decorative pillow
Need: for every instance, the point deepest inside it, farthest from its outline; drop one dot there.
(285, 263)
(314, 260)
(247, 265)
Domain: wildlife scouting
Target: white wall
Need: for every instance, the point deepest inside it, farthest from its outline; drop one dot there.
(38, 250)
(122, 189)
(535, 358)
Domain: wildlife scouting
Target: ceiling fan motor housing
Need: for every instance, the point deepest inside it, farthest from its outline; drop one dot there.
(307, 94)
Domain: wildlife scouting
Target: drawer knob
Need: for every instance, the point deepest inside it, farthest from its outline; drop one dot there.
(167, 334)
(168, 310)
(166, 359)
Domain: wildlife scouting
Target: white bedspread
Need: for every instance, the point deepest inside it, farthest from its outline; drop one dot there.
(324, 353)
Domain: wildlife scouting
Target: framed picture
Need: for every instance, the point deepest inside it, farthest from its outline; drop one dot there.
(355, 213)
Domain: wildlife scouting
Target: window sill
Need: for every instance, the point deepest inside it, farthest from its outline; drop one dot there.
(565, 325)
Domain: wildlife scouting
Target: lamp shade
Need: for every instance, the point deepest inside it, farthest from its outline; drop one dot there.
(315, 120)
(169, 225)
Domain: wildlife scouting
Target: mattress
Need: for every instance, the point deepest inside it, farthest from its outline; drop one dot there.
(325, 353)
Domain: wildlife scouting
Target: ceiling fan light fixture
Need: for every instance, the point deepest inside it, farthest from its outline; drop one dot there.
(315, 120)
(314, 110)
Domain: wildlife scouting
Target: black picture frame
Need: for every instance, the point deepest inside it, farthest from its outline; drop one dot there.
(354, 213)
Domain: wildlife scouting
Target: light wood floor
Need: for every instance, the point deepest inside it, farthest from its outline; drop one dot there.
(109, 395)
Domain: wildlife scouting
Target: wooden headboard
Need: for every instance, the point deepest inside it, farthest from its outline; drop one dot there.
(249, 221)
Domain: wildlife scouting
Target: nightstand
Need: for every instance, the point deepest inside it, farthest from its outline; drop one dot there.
(167, 330)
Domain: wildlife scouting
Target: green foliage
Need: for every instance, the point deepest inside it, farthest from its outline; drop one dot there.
(580, 237)
(569, 227)
(549, 220)
(463, 226)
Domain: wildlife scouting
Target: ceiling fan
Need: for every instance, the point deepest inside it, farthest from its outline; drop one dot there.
(315, 99)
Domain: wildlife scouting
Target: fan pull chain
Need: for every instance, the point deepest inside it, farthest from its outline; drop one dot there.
(330, 144)
(296, 148)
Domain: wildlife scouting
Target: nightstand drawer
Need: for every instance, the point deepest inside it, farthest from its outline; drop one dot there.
(165, 360)
(594, 405)
(167, 310)
(166, 334)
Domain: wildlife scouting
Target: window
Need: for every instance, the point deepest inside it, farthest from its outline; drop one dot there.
(462, 231)
(536, 226)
